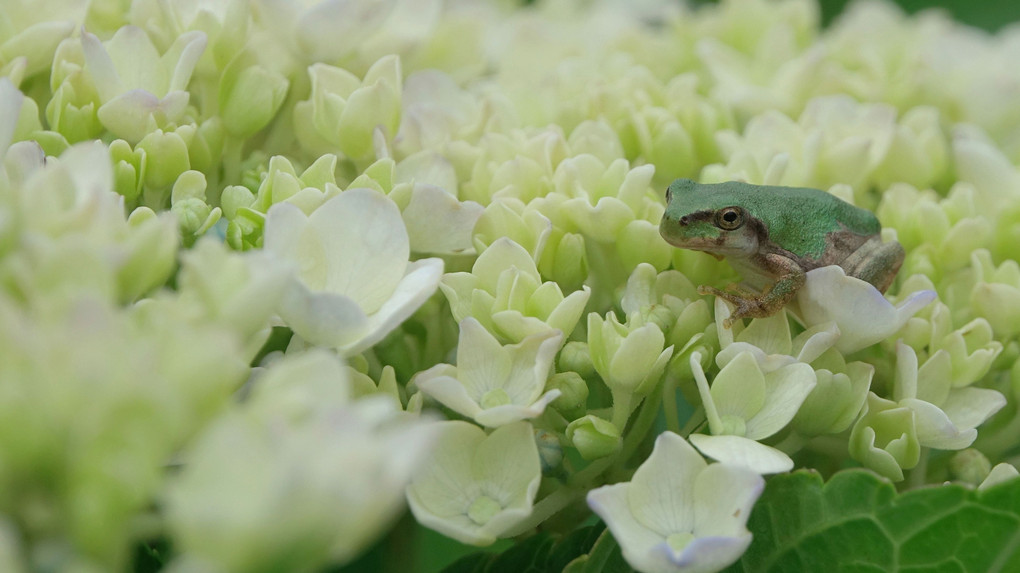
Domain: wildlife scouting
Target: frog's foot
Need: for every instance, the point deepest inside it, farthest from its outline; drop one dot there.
(746, 303)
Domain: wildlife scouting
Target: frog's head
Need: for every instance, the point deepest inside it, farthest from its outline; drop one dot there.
(699, 218)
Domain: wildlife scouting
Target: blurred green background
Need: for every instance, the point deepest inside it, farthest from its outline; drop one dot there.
(990, 15)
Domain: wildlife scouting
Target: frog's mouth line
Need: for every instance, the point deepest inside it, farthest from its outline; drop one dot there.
(716, 247)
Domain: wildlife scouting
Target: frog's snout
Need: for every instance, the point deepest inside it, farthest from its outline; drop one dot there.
(669, 227)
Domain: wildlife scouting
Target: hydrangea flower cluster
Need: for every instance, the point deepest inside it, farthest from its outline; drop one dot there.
(272, 272)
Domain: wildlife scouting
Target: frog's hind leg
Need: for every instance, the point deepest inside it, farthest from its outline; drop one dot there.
(875, 262)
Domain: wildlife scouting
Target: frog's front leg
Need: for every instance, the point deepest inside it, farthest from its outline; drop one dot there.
(789, 278)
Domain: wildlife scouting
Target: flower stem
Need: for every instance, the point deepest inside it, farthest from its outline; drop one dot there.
(639, 429)
(696, 419)
(919, 474)
(622, 407)
(232, 160)
(546, 508)
(669, 406)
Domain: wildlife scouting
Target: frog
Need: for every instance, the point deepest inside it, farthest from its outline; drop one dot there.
(772, 236)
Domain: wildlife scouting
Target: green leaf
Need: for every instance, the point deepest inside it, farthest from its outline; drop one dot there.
(859, 523)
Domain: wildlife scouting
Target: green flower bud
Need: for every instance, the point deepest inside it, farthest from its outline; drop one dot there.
(996, 296)
(884, 439)
(970, 466)
(564, 259)
(153, 255)
(573, 399)
(576, 357)
(245, 230)
(235, 197)
(187, 200)
(166, 156)
(195, 217)
(594, 437)
(279, 184)
(525, 225)
(250, 96)
(629, 359)
(206, 149)
(639, 242)
(73, 115)
(128, 169)
(345, 112)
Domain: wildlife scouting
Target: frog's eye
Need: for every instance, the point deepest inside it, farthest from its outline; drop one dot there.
(729, 218)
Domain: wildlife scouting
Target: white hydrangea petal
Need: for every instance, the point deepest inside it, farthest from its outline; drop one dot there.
(447, 390)
(739, 388)
(437, 222)
(10, 108)
(364, 245)
(482, 363)
(183, 55)
(137, 61)
(101, 68)
(513, 325)
(970, 407)
(420, 282)
(935, 429)
(636, 541)
(603, 221)
(566, 314)
(706, 554)
(508, 460)
(127, 115)
(427, 166)
(300, 384)
(459, 288)
(771, 334)
(445, 486)
(724, 496)
(510, 413)
(503, 468)
(816, 340)
(322, 318)
(743, 452)
(862, 314)
(935, 378)
(284, 229)
(638, 351)
(89, 163)
(1000, 473)
(330, 30)
(766, 362)
(503, 254)
(786, 390)
(503, 523)
(661, 496)
(532, 362)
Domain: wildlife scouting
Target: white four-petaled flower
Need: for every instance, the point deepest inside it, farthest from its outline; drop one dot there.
(679, 513)
(355, 283)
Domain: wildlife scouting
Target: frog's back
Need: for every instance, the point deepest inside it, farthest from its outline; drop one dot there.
(800, 218)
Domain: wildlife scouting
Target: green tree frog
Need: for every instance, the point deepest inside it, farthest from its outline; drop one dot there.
(772, 236)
